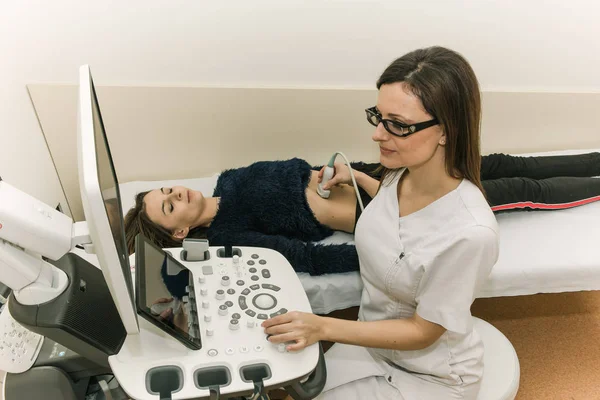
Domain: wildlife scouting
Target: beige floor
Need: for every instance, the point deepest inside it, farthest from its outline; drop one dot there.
(557, 339)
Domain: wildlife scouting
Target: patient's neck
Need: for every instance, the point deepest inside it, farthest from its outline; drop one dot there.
(210, 207)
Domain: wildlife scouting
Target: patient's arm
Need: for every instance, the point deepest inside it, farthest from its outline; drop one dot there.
(316, 259)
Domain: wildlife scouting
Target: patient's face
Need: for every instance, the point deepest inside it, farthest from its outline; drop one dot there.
(395, 101)
(174, 208)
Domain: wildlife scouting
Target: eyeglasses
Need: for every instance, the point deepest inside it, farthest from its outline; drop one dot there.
(397, 128)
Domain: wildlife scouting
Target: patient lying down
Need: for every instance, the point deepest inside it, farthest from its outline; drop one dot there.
(274, 204)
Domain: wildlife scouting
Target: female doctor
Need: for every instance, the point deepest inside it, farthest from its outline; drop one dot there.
(426, 243)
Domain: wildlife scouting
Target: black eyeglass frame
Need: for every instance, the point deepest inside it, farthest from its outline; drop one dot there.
(407, 129)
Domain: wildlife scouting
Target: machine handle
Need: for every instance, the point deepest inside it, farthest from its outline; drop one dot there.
(314, 384)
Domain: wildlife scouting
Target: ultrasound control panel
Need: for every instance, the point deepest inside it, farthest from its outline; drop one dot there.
(226, 298)
(237, 296)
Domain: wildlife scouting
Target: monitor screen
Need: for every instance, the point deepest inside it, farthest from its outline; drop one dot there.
(109, 189)
(162, 285)
(101, 201)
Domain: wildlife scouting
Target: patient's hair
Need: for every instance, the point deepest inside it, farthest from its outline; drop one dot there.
(447, 86)
(137, 221)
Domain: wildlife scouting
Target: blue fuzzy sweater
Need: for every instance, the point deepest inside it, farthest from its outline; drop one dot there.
(264, 205)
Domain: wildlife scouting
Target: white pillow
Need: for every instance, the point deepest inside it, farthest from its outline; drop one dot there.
(130, 189)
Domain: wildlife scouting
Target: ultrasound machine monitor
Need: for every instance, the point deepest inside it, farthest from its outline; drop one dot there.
(101, 201)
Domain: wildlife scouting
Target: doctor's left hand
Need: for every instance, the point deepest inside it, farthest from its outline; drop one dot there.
(300, 327)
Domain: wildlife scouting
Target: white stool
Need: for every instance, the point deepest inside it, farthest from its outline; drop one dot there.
(502, 371)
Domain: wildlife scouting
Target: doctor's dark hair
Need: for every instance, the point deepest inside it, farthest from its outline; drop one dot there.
(137, 221)
(448, 89)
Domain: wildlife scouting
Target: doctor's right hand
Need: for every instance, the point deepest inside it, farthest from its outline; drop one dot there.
(341, 175)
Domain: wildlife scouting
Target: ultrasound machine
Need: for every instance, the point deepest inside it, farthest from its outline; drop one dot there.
(178, 323)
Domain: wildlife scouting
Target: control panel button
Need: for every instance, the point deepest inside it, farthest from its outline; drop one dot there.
(212, 352)
(207, 270)
(258, 348)
(229, 351)
(271, 287)
(254, 278)
(242, 302)
(205, 304)
(220, 294)
(201, 279)
(223, 310)
(244, 349)
(246, 292)
(266, 273)
(251, 313)
(234, 324)
(210, 332)
(280, 312)
(236, 316)
(262, 316)
(255, 287)
(225, 281)
(240, 282)
(250, 262)
(250, 323)
(230, 291)
(262, 262)
(281, 347)
(204, 292)
(207, 317)
(229, 303)
(252, 270)
(264, 301)
(255, 256)
(236, 260)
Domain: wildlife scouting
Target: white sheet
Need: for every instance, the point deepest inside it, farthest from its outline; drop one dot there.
(540, 252)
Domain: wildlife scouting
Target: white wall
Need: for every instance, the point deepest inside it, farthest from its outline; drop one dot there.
(535, 45)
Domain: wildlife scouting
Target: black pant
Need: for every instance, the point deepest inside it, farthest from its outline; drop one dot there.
(540, 183)
(532, 183)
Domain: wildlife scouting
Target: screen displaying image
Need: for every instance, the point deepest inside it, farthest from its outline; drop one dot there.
(162, 284)
(166, 280)
(109, 186)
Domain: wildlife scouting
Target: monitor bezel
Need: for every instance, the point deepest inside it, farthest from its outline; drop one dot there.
(94, 208)
(140, 290)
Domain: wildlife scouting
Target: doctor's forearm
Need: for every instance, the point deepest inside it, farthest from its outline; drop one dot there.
(396, 334)
(369, 184)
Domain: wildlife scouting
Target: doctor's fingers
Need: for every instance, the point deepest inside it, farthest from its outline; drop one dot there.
(280, 329)
(284, 337)
(299, 340)
(280, 319)
(299, 345)
(320, 175)
(288, 337)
